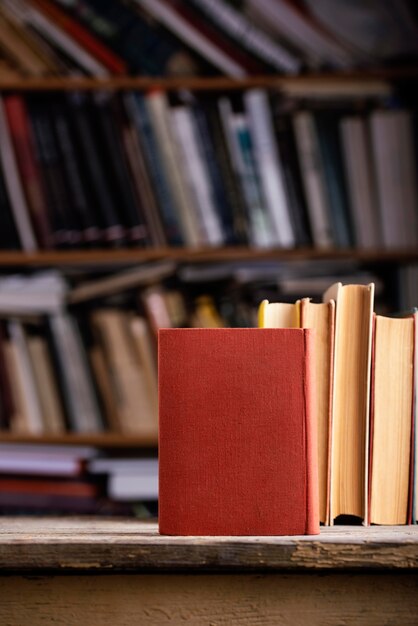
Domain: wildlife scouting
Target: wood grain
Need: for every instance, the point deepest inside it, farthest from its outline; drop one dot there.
(71, 544)
(197, 255)
(210, 600)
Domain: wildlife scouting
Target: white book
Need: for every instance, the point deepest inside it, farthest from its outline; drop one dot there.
(395, 169)
(130, 467)
(79, 392)
(235, 125)
(158, 108)
(238, 26)
(268, 164)
(174, 22)
(38, 294)
(27, 382)
(197, 174)
(14, 186)
(361, 184)
(30, 17)
(313, 179)
(123, 487)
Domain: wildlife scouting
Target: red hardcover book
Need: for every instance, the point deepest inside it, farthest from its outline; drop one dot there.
(111, 61)
(237, 439)
(23, 142)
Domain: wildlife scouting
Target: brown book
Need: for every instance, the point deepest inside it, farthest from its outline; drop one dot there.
(46, 383)
(105, 387)
(391, 420)
(135, 408)
(321, 318)
(351, 395)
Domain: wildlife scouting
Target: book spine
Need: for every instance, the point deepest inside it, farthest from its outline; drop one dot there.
(14, 186)
(22, 137)
(269, 166)
(139, 114)
(311, 444)
(183, 126)
(313, 179)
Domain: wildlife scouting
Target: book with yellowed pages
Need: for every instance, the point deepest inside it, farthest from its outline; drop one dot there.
(392, 407)
(320, 317)
(350, 402)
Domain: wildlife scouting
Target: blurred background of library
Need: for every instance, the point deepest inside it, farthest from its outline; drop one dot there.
(172, 164)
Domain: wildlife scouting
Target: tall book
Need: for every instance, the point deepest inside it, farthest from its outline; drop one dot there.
(313, 178)
(14, 187)
(24, 147)
(392, 408)
(269, 165)
(350, 403)
(320, 318)
(237, 447)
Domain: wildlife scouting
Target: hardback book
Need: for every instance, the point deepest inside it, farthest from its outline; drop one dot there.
(313, 177)
(391, 421)
(321, 318)
(268, 162)
(351, 397)
(237, 432)
(361, 187)
(196, 174)
(14, 187)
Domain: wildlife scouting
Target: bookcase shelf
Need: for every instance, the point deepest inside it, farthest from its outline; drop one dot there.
(100, 440)
(200, 255)
(217, 83)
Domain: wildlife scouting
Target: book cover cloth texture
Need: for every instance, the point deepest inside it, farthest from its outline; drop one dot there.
(237, 432)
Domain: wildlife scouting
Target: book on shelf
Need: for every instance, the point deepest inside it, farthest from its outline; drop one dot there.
(258, 475)
(83, 170)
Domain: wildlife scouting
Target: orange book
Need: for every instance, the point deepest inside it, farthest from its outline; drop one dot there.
(237, 432)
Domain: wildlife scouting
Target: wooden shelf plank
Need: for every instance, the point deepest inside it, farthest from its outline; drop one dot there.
(203, 83)
(97, 544)
(100, 440)
(131, 256)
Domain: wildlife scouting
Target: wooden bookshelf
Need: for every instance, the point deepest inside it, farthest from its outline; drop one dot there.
(99, 440)
(199, 255)
(218, 83)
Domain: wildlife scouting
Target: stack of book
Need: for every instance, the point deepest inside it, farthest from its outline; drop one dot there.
(366, 382)
(80, 170)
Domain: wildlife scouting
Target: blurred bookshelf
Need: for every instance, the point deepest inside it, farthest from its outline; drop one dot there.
(217, 176)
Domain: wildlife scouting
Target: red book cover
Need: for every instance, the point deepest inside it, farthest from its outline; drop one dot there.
(23, 142)
(237, 438)
(111, 61)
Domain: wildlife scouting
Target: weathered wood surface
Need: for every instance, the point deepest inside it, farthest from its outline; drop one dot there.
(291, 599)
(80, 544)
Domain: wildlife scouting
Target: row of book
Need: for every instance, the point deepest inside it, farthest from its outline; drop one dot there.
(136, 169)
(162, 37)
(58, 479)
(366, 382)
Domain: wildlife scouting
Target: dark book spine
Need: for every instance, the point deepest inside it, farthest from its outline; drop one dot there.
(232, 184)
(106, 113)
(292, 178)
(114, 231)
(222, 201)
(139, 113)
(328, 137)
(80, 201)
(67, 232)
(7, 401)
(9, 238)
(23, 142)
